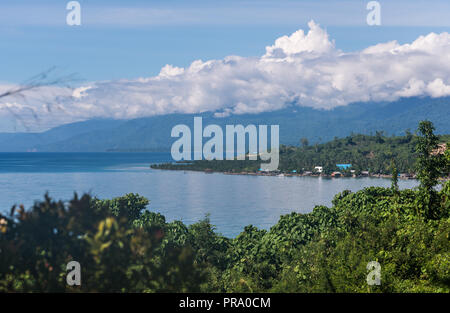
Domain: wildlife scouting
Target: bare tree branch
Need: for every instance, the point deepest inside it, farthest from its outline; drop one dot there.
(43, 79)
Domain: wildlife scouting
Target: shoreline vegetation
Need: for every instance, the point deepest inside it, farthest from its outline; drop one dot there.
(122, 246)
(353, 156)
(281, 174)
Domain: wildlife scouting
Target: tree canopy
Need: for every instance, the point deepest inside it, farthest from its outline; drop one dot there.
(124, 247)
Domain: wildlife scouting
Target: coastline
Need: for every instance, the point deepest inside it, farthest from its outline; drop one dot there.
(282, 174)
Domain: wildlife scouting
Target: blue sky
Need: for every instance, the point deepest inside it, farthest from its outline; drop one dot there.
(256, 56)
(129, 39)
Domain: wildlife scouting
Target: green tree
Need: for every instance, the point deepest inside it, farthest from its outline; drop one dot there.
(304, 142)
(394, 172)
(447, 159)
(429, 165)
(115, 255)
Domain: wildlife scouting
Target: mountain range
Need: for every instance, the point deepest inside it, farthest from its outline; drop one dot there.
(296, 122)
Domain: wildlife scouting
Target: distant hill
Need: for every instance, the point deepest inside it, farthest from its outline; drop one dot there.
(16, 142)
(153, 133)
(361, 152)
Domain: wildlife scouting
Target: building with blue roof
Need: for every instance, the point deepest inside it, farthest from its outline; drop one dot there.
(344, 166)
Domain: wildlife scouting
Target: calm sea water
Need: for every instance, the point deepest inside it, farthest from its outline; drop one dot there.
(233, 201)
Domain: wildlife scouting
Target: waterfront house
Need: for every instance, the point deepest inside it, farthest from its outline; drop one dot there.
(442, 147)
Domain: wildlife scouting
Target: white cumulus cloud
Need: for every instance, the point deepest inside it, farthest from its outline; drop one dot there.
(437, 88)
(303, 69)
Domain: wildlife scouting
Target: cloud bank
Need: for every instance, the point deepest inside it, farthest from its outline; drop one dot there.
(303, 69)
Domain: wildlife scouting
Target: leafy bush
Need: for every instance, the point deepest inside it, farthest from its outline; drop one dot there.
(122, 247)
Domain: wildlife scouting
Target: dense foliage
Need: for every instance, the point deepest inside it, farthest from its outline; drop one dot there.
(364, 152)
(122, 247)
(326, 250)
